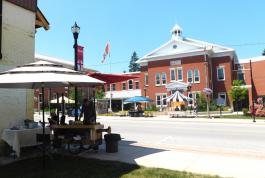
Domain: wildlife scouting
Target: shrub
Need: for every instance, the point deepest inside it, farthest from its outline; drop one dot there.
(152, 107)
(245, 111)
(201, 102)
(214, 107)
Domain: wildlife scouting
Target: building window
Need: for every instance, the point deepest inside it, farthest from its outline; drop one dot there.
(113, 87)
(54, 96)
(164, 78)
(123, 87)
(222, 97)
(193, 97)
(189, 76)
(241, 76)
(108, 87)
(196, 76)
(157, 78)
(164, 101)
(240, 67)
(220, 73)
(240, 73)
(137, 85)
(172, 75)
(161, 100)
(130, 84)
(146, 79)
(158, 100)
(180, 74)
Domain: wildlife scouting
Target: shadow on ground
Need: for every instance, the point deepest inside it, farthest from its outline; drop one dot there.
(128, 152)
(65, 166)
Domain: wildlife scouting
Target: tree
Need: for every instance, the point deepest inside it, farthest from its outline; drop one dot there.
(100, 94)
(238, 93)
(133, 67)
(263, 53)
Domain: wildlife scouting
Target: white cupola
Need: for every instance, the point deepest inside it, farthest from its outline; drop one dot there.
(176, 32)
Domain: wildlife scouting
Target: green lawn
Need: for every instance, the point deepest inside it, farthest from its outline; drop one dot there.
(241, 117)
(77, 167)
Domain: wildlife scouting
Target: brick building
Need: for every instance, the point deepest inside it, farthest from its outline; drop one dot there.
(244, 73)
(120, 91)
(202, 64)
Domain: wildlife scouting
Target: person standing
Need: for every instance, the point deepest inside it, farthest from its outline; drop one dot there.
(88, 112)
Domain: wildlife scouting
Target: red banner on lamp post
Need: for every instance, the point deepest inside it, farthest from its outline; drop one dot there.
(80, 54)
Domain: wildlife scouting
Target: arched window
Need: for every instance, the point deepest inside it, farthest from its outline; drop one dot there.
(164, 78)
(189, 76)
(157, 79)
(130, 84)
(196, 76)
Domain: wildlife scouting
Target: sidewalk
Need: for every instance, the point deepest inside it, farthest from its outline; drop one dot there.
(225, 165)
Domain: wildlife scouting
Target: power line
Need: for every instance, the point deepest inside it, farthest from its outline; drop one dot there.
(105, 64)
(123, 62)
(247, 44)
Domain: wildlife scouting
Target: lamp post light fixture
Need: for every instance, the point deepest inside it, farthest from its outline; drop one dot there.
(75, 30)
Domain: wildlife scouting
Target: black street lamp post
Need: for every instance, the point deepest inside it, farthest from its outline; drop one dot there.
(145, 96)
(75, 30)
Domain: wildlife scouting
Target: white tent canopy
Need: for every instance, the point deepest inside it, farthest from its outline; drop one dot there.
(66, 100)
(180, 86)
(177, 97)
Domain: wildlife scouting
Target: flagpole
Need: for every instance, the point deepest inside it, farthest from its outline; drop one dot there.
(110, 99)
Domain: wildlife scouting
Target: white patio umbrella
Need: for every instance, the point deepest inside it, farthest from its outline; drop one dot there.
(66, 100)
(44, 75)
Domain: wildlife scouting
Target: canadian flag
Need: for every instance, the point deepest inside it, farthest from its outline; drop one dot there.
(106, 52)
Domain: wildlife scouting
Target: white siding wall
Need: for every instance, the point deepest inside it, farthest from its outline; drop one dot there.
(18, 47)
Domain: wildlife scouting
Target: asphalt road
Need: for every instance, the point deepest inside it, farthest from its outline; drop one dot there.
(242, 138)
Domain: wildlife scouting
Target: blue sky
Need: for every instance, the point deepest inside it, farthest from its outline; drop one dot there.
(143, 25)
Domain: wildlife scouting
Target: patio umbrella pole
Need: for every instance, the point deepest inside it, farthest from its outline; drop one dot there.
(43, 129)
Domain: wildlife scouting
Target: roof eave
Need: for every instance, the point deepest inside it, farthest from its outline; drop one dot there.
(41, 21)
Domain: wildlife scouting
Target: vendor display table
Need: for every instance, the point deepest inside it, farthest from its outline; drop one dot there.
(22, 138)
(93, 129)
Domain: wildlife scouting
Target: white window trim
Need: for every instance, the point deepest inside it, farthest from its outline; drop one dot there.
(159, 79)
(129, 85)
(194, 97)
(174, 74)
(178, 73)
(242, 67)
(157, 100)
(222, 93)
(199, 76)
(112, 87)
(161, 98)
(241, 72)
(162, 78)
(122, 86)
(218, 67)
(146, 83)
(188, 76)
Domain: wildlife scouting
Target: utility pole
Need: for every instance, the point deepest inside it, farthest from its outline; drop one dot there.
(252, 92)
(206, 80)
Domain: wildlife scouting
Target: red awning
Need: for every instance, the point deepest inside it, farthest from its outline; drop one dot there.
(113, 78)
